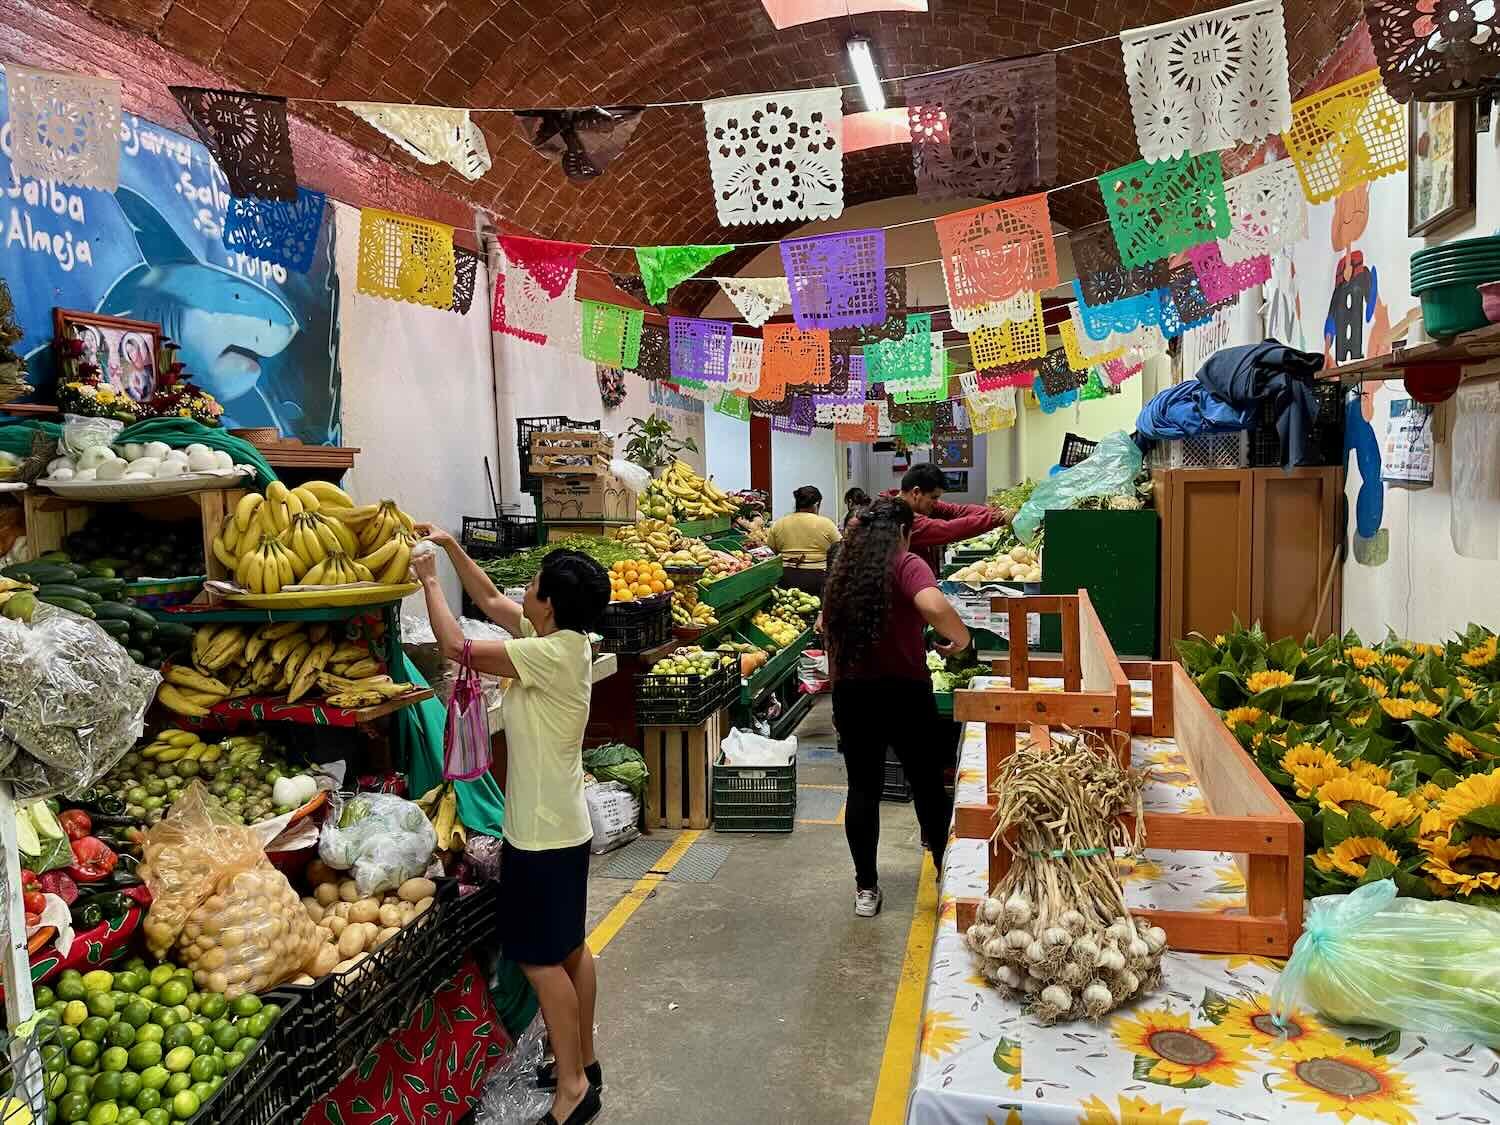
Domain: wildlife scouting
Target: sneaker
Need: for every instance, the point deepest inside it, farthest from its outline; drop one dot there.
(867, 903)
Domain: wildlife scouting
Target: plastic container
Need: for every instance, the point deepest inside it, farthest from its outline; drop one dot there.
(754, 798)
(746, 584)
(1453, 307)
(684, 700)
(257, 1092)
(1489, 296)
(1075, 449)
(525, 427)
(494, 537)
(630, 627)
(163, 593)
(1203, 451)
(1325, 438)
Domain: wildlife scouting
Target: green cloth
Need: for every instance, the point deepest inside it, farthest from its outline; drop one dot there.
(514, 999)
(419, 737)
(16, 434)
(179, 432)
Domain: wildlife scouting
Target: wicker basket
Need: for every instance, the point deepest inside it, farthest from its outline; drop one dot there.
(259, 435)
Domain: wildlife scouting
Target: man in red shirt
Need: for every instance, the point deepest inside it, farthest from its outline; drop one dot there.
(938, 524)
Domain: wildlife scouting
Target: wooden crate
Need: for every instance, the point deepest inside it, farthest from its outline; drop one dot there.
(678, 758)
(571, 453)
(1246, 816)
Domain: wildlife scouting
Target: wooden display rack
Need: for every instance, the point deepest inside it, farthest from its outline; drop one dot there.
(1246, 816)
(678, 759)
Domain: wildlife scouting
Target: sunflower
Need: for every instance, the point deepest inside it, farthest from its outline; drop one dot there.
(1133, 1111)
(1403, 709)
(1386, 808)
(1306, 755)
(1297, 1035)
(1362, 657)
(1471, 866)
(1422, 649)
(1461, 746)
(1265, 681)
(1375, 684)
(1181, 1054)
(1307, 780)
(1430, 792)
(1243, 716)
(1471, 793)
(1350, 1082)
(1411, 688)
(1396, 661)
(1359, 718)
(1483, 653)
(1219, 639)
(1008, 1060)
(941, 1032)
(1350, 855)
(1136, 869)
(1375, 775)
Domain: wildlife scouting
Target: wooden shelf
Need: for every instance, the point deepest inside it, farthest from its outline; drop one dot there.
(1479, 346)
(31, 409)
(292, 456)
(274, 709)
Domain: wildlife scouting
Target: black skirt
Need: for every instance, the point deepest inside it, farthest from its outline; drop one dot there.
(543, 903)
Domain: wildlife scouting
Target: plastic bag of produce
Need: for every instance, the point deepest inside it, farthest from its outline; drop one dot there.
(743, 748)
(72, 702)
(1111, 468)
(1369, 957)
(383, 840)
(634, 477)
(613, 815)
(234, 919)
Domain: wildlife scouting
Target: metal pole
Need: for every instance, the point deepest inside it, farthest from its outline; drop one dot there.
(15, 973)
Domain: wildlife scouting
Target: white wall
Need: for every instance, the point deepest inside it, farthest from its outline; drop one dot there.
(1423, 588)
(727, 450)
(798, 460)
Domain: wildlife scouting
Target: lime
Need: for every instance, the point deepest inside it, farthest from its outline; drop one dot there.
(100, 1004)
(52, 1117)
(129, 981)
(57, 1008)
(57, 1086)
(128, 1113)
(100, 980)
(175, 1085)
(154, 1077)
(202, 1090)
(178, 1059)
(149, 1033)
(246, 1005)
(67, 1036)
(203, 1045)
(106, 1087)
(54, 1057)
(43, 997)
(164, 1017)
(202, 1068)
(184, 1104)
(85, 1052)
(149, 992)
(245, 1046)
(161, 974)
(148, 1099)
(73, 1070)
(136, 1013)
(130, 1086)
(114, 1058)
(144, 1055)
(137, 964)
(80, 1083)
(158, 1116)
(93, 1028)
(183, 1014)
(120, 1034)
(213, 1005)
(233, 1059)
(194, 1028)
(271, 1012)
(257, 1025)
(104, 1113)
(193, 1001)
(173, 992)
(75, 1013)
(177, 1036)
(226, 1037)
(70, 988)
(73, 1107)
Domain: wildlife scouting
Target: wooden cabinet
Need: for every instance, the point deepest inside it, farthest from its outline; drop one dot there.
(1252, 544)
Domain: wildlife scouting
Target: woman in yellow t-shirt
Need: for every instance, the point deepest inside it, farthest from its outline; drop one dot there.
(802, 540)
(545, 858)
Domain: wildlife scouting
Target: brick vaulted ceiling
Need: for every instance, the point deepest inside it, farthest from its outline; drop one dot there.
(580, 52)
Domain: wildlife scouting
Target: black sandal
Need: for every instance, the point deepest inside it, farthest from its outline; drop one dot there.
(546, 1075)
(582, 1114)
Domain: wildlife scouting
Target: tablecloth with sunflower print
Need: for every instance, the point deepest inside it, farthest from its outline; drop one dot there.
(1201, 1049)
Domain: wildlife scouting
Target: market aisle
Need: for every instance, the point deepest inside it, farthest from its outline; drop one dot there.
(782, 997)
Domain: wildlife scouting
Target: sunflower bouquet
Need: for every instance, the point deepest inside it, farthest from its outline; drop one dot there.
(1389, 753)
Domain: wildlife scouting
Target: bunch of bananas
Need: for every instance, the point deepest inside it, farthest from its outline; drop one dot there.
(440, 805)
(652, 537)
(232, 661)
(364, 691)
(181, 745)
(683, 493)
(700, 616)
(693, 552)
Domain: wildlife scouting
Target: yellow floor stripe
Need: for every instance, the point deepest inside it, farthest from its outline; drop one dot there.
(906, 1010)
(613, 922)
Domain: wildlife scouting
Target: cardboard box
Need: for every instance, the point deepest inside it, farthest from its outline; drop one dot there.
(602, 497)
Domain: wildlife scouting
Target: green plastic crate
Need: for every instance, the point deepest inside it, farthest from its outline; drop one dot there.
(702, 529)
(737, 587)
(773, 671)
(944, 702)
(754, 798)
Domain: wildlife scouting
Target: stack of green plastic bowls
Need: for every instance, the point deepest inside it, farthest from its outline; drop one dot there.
(1447, 279)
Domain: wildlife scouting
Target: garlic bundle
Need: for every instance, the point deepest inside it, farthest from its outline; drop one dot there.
(1055, 930)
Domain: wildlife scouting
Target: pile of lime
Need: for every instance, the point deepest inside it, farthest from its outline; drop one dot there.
(141, 1044)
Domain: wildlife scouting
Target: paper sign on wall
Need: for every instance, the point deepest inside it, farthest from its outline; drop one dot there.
(1408, 443)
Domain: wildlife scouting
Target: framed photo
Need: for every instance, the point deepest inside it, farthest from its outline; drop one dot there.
(124, 351)
(1440, 164)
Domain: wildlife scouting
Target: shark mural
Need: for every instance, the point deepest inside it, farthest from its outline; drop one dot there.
(260, 338)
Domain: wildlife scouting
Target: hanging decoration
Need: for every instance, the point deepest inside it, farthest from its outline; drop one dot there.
(931, 387)
(64, 127)
(910, 357)
(1434, 51)
(1011, 375)
(664, 266)
(1118, 370)
(910, 410)
(247, 136)
(1159, 209)
(991, 314)
(992, 411)
(1126, 315)
(915, 433)
(1141, 341)
(431, 134)
(866, 432)
(836, 280)
(405, 259)
(1096, 256)
(283, 233)
(771, 405)
(732, 405)
(1267, 211)
(611, 335)
(465, 276)
(847, 405)
(984, 130)
(654, 363)
(583, 141)
(1221, 281)
(794, 356)
(1190, 304)
(1206, 83)
(776, 156)
(1013, 342)
(949, 417)
(611, 382)
(1050, 403)
(1056, 374)
(757, 298)
(893, 327)
(1080, 359)
(700, 348)
(745, 353)
(1348, 134)
(994, 252)
(633, 285)
(799, 418)
(1093, 387)
(534, 289)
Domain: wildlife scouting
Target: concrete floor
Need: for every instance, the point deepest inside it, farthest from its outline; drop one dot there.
(757, 997)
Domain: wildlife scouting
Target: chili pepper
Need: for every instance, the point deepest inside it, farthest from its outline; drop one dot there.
(34, 901)
(92, 860)
(87, 916)
(109, 907)
(76, 823)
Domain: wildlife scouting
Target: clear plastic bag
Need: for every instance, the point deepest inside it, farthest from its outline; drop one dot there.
(71, 701)
(1475, 522)
(511, 1097)
(80, 431)
(1371, 958)
(234, 919)
(1111, 468)
(381, 839)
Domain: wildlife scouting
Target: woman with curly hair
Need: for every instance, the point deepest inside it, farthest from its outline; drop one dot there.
(878, 600)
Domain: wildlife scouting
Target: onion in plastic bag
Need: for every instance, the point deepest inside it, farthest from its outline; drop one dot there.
(381, 839)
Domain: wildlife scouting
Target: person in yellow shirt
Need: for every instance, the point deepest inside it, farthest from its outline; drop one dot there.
(544, 865)
(802, 540)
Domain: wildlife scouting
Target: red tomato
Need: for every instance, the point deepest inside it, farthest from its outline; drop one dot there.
(34, 901)
(76, 823)
(29, 880)
(92, 860)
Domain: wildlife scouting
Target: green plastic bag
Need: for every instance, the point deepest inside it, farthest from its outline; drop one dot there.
(1371, 958)
(1110, 469)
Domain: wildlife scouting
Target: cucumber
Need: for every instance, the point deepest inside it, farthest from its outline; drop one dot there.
(107, 564)
(72, 605)
(139, 617)
(173, 631)
(136, 654)
(99, 570)
(68, 590)
(115, 611)
(108, 588)
(55, 557)
(41, 573)
(119, 630)
(142, 636)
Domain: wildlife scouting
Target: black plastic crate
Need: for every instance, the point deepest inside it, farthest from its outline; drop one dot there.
(683, 700)
(1075, 449)
(495, 537)
(630, 627)
(754, 798)
(476, 918)
(256, 1093)
(525, 427)
(1325, 438)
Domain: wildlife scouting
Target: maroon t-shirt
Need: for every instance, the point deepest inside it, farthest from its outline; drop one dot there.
(900, 653)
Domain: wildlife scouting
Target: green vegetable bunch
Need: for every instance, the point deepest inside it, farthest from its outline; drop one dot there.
(519, 569)
(618, 762)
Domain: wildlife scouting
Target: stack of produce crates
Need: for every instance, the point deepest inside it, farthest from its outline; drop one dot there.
(631, 627)
(495, 537)
(684, 700)
(526, 427)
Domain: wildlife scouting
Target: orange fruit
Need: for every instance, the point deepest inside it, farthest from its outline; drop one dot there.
(626, 596)
(656, 586)
(668, 584)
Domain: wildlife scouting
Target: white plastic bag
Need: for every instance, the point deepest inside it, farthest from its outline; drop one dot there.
(636, 478)
(613, 814)
(743, 748)
(382, 839)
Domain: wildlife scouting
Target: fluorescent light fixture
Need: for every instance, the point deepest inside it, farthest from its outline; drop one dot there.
(868, 77)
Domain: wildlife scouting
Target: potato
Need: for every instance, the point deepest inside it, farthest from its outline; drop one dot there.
(385, 935)
(352, 941)
(336, 925)
(303, 978)
(408, 912)
(313, 907)
(365, 910)
(348, 891)
(389, 915)
(320, 872)
(326, 894)
(415, 890)
(324, 960)
(341, 909)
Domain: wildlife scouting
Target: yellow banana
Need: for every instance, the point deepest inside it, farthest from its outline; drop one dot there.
(330, 494)
(328, 533)
(186, 677)
(202, 637)
(293, 505)
(284, 646)
(178, 737)
(229, 531)
(366, 667)
(348, 541)
(245, 510)
(397, 568)
(318, 632)
(361, 572)
(281, 629)
(225, 555)
(276, 492)
(309, 502)
(174, 700)
(315, 573)
(378, 558)
(354, 517)
(247, 571)
(270, 573)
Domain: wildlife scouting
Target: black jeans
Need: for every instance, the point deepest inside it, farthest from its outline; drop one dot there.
(807, 580)
(871, 716)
